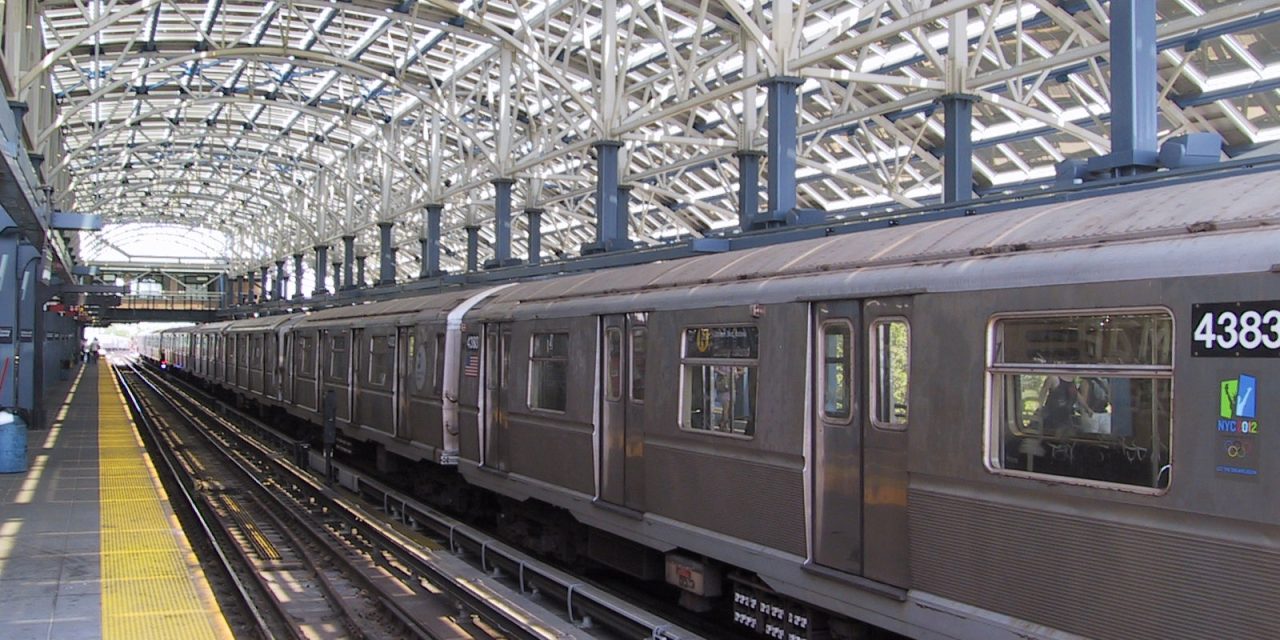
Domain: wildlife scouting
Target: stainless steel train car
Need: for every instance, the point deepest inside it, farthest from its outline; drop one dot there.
(1046, 422)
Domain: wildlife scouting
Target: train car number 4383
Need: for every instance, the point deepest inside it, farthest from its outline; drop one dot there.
(1236, 329)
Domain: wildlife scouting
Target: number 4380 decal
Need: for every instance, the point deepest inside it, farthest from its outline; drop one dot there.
(1236, 329)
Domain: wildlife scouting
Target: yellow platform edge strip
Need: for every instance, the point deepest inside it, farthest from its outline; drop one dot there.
(152, 583)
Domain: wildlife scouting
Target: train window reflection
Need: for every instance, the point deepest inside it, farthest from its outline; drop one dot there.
(891, 360)
(638, 336)
(380, 351)
(548, 371)
(338, 360)
(837, 356)
(719, 374)
(306, 355)
(613, 364)
(1086, 396)
(438, 384)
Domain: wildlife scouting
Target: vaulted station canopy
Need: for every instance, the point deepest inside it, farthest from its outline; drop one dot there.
(272, 127)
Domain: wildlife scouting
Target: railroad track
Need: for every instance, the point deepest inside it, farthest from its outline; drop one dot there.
(306, 561)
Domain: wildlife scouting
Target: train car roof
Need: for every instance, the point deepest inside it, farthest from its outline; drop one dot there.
(1187, 210)
(401, 310)
(263, 323)
(187, 328)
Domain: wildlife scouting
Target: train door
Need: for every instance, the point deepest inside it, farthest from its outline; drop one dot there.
(837, 438)
(494, 434)
(860, 408)
(621, 405)
(409, 366)
(887, 331)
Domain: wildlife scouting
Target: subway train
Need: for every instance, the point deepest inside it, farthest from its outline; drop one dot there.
(1043, 422)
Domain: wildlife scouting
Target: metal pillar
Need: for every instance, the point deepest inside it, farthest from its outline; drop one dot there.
(360, 281)
(622, 229)
(502, 224)
(278, 291)
(249, 279)
(263, 292)
(473, 247)
(322, 258)
(348, 262)
(957, 171)
(431, 242)
(748, 186)
(9, 297)
(534, 215)
(297, 276)
(386, 255)
(1133, 90)
(783, 106)
(337, 276)
(606, 199)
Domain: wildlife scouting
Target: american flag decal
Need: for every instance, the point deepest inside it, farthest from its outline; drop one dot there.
(472, 369)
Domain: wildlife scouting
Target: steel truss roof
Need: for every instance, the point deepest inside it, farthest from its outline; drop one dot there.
(288, 123)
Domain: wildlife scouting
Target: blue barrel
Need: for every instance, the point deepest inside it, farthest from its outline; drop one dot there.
(13, 443)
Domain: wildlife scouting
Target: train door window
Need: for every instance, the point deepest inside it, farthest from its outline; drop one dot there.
(837, 369)
(613, 364)
(338, 358)
(638, 337)
(255, 355)
(548, 371)
(307, 355)
(380, 350)
(440, 353)
(890, 372)
(1086, 397)
(719, 368)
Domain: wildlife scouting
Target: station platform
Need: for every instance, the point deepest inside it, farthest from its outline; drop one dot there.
(89, 547)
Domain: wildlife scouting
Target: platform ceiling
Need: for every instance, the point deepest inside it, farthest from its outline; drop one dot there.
(276, 126)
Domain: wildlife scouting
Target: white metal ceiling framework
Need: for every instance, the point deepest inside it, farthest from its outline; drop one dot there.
(288, 123)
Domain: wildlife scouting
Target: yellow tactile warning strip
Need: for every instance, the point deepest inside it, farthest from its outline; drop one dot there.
(152, 584)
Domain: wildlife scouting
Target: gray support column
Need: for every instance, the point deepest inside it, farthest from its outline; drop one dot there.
(278, 292)
(622, 227)
(226, 290)
(337, 276)
(748, 186)
(9, 297)
(297, 276)
(26, 364)
(501, 223)
(249, 279)
(1133, 82)
(348, 262)
(781, 148)
(535, 234)
(957, 170)
(360, 264)
(606, 196)
(322, 259)
(237, 291)
(386, 255)
(264, 292)
(473, 247)
(431, 242)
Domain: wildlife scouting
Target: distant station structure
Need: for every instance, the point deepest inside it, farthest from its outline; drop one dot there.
(186, 160)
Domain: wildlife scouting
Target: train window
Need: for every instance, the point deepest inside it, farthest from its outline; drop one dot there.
(613, 364)
(890, 371)
(307, 355)
(719, 379)
(255, 356)
(837, 365)
(338, 359)
(440, 352)
(638, 336)
(1087, 396)
(380, 350)
(548, 371)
